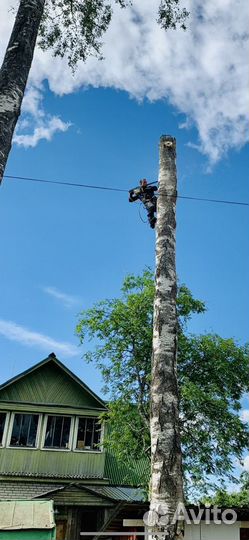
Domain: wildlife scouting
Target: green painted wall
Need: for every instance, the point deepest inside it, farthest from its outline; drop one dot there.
(34, 534)
(44, 408)
(57, 464)
(74, 496)
(74, 465)
(49, 389)
(49, 384)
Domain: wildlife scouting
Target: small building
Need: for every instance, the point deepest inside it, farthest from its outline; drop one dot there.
(212, 531)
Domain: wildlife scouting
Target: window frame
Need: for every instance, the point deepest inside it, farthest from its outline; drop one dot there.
(11, 424)
(5, 429)
(41, 432)
(71, 433)
(75, 449)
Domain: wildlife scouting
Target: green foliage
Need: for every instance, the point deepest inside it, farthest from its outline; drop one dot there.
(170, 14)
(212, 374)
(74, 28)
(239, 498)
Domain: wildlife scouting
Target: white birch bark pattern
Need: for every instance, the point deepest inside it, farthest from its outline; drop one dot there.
(15, 70)
(166, 462)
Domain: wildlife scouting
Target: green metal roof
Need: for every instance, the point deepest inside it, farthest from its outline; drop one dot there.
(16, 515)
(132, 473)
(82, 493)
(118, 493)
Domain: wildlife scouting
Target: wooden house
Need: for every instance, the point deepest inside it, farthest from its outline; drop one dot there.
(51, 448)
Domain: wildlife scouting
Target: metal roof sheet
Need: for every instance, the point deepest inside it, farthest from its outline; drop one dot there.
(39, 475)
(27, 490)
(119, 493)
(16, 515)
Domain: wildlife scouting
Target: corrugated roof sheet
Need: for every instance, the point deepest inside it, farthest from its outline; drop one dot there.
(132, 473)
(52, 475)
(28, 490)
(119, 493)
(16, 515)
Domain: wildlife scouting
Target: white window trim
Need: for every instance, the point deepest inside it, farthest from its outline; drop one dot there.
(87, 451)
(10, 428)
(5, 429)
(49, 449)
(41, 433)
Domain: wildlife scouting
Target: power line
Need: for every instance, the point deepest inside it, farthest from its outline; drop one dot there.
(214, 200)
(92, 186)
(74, 184)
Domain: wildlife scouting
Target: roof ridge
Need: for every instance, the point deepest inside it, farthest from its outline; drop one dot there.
(52, 358)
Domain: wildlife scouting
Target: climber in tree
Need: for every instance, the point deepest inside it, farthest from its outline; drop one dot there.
(146, 194)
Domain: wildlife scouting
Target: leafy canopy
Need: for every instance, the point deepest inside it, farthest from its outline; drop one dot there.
(212, 375)
(74, 28)
(236, 498)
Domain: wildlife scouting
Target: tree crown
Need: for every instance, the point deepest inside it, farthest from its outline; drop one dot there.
(74, 28)
(212, 375)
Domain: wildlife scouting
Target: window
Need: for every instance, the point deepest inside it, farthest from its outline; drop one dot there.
(89, 434)
(2, 424)
(57, 432)
(24, 430)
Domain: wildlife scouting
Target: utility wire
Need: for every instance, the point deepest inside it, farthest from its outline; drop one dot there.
(213, 200)
(64, 183)
(91, 186)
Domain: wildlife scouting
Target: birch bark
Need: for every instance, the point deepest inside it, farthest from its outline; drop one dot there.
(166, 460)
(15, 70)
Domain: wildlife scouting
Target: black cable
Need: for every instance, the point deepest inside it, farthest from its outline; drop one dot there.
(213, 200)
(91, 186)
(64, 183)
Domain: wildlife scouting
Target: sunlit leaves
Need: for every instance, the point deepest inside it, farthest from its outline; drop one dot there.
(222, 498)
(171, 14)
(212, 374)
(74, 28)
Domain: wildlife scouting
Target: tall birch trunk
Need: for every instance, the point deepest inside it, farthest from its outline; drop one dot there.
(166, 460)
(15, 70)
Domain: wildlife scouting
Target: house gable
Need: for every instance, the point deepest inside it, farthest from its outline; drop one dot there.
(50, 383)
(77, 495)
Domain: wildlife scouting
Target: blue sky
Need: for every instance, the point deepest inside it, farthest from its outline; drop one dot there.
(82, 242)
(65, 248)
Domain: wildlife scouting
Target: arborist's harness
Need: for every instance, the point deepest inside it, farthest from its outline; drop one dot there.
(146, 194)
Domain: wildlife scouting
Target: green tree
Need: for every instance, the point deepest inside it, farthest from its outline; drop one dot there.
(235, 498)
(212, 373)
(70, 28)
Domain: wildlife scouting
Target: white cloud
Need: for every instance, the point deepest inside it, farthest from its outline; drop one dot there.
(245, 415)
(32, 102)
(35, 124)
(67, 300)
(45, 129)
(14, 332)
(202, 72)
